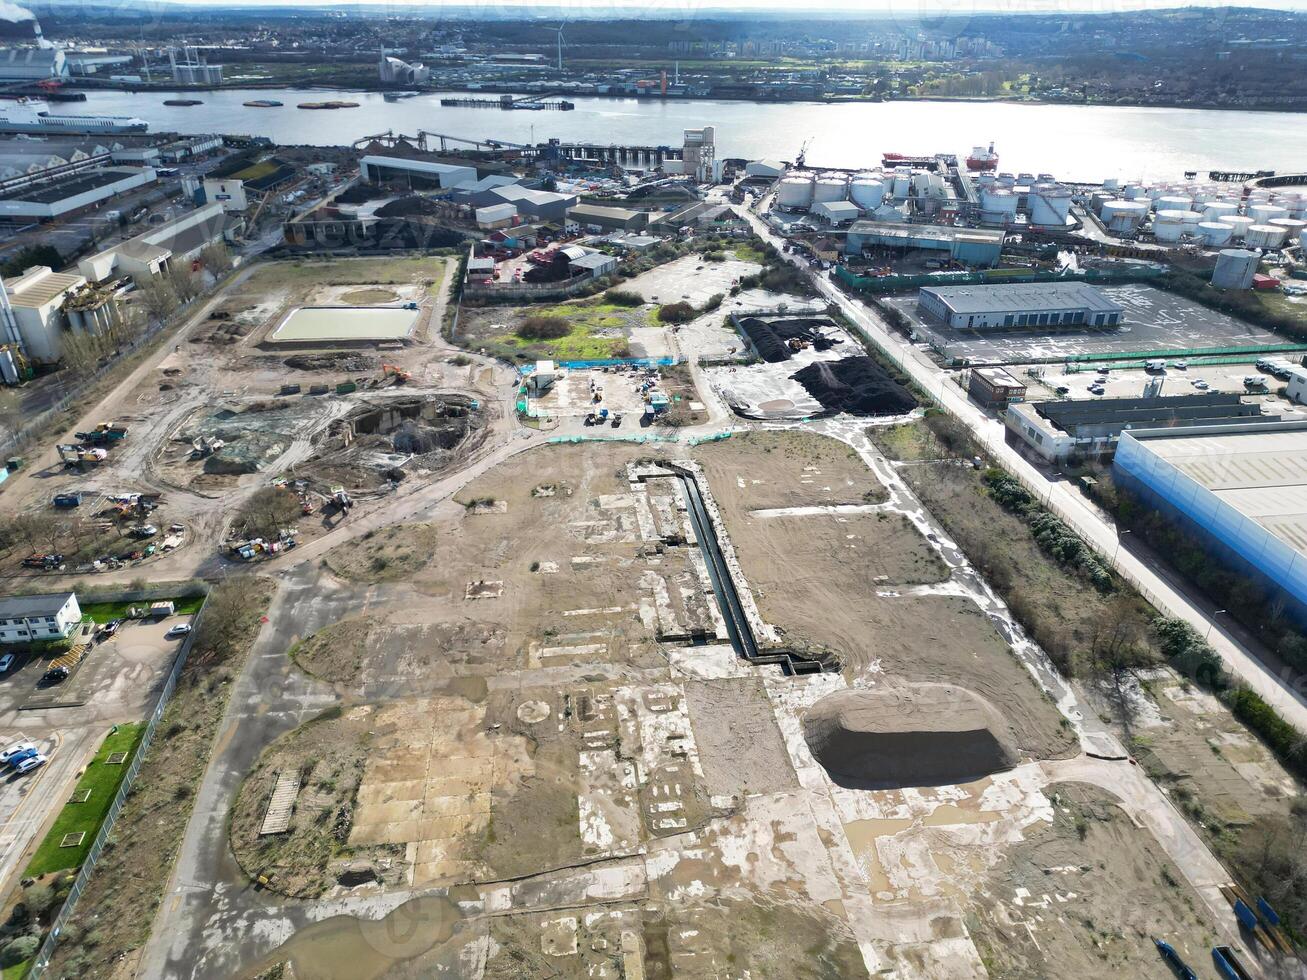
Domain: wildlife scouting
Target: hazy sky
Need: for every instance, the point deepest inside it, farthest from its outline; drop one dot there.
(910, 8)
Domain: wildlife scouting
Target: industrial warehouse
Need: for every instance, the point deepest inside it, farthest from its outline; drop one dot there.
(1019, 305)
(1242, 488)
(1059, 431)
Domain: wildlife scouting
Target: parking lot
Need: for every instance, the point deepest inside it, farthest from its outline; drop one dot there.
(1196, 378)
(1154, 320)
(117, 681)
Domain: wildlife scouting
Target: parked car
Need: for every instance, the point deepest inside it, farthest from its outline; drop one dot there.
(30, 763)
(27, 753)
(6, 662)
(55, 674)
(181, 629)
(1200, 384)
(7, 756)
(143, 531)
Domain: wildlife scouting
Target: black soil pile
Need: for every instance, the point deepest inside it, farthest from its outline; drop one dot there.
(769, 336)
(331, 361)
(926, 735)
(855, 385)
(408, 207)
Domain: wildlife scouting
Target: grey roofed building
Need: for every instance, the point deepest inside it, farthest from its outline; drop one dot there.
(616, 219)
(538, 204)
(1056, 430)
(1020, 305)
(32, 606)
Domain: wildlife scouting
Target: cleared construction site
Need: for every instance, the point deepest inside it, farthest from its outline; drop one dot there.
(649, 686)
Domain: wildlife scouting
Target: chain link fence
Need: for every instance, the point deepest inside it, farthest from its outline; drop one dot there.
(46, 953)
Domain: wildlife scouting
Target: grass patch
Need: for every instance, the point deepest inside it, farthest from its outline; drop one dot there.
(103, 612)
(103, 781)
(749, 253)
(17, 971)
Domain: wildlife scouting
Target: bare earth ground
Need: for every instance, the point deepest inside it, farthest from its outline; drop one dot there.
(1084, 896)
(589, 798)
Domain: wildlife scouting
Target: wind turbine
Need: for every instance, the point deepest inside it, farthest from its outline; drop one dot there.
(559, 29)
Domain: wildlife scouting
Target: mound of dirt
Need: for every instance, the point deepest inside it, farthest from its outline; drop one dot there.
(856, 385)
(770, 337)
(407, 207)
(921, 735)
(331, 361)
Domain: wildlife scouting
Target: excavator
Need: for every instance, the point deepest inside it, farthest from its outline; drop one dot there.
(398, 373)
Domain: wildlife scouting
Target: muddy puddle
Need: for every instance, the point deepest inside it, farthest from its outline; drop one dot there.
(347, 948)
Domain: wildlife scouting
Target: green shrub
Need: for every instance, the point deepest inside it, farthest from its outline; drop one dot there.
(676, 312)
(623, 297)
(543, 328)
(19, 950)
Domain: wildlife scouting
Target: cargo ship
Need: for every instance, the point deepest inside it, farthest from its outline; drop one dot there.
(334, 104)
(983, 159)
(33, 116)
(263, 103)
(183, 102)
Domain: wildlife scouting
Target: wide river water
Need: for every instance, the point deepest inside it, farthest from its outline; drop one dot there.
(1085, 143)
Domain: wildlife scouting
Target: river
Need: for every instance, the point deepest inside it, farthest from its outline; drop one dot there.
(1085, 143)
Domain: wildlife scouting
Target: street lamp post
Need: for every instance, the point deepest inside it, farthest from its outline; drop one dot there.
(1212, 622)
(1119, 535)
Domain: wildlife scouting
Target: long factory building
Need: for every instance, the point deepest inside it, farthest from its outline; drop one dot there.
(1016, 305)
(1241, 488)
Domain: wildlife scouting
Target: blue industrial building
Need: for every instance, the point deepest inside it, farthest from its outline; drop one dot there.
(1240, 487)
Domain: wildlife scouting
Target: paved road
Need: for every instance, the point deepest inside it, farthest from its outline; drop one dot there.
(1281, 688)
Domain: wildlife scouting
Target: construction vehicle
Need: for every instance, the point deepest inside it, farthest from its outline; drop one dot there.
(398, 373)
(43, 561)
(102, 433)
(68, 500)
(341, 499)
(205, 446)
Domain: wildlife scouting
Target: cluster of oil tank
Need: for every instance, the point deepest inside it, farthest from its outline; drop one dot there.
(1044, 201)
(799, 190)
(1207, 214)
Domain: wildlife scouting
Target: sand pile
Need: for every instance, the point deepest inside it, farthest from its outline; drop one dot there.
(856, 385)
(920, 735)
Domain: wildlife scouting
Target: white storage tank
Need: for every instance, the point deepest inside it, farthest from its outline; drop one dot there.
(1132, 192)
(1123, 217)
(867, 190)
(1049, 205)
(1217, 210)
(902, 183)
(1174, 202)
(1264, 236)
(998, 205)
(1293, 227)
(795, 191)
(830, 187)
(1235, 268)
(1263, 213)
(1240, 223)
(1168, 225)
(1214, 234)
(1112, 184)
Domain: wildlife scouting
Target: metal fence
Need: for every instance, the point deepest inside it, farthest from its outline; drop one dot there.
(891, 284)
(46, 953)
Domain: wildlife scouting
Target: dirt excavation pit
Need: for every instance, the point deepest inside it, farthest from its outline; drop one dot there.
(385, 439)
(857, 386)
(910, 737)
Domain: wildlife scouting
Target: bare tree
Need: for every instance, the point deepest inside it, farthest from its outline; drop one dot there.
(159, 297)
(1118, 650)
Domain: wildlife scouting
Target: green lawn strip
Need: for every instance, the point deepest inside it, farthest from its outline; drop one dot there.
(103, 781)
(103, 612)
(17, 971)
